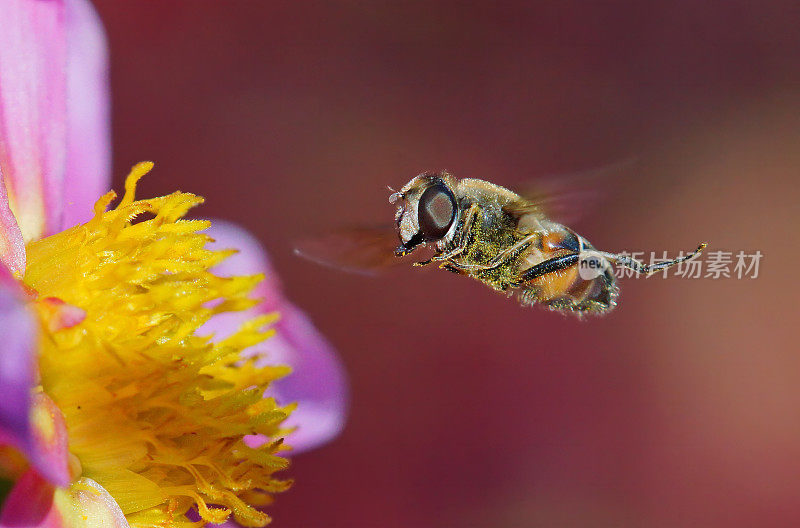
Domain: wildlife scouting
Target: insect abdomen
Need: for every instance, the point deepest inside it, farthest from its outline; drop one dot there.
(564, 288)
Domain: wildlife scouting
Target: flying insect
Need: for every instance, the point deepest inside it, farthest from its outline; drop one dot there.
(500, 238)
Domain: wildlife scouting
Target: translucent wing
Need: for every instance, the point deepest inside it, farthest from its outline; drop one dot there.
(363, 250)
(566, 198)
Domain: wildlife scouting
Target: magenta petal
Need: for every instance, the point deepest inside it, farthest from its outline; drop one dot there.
(317, 382)
(33, 112)
(88, 162)
(29, 504)
(17, 355)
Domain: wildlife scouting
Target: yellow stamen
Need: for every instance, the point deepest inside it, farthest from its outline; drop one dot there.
(156, 414)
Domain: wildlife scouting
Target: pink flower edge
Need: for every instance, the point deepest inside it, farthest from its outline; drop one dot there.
(318, 382)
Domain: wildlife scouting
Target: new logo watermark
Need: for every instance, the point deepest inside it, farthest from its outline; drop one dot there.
(592, 264)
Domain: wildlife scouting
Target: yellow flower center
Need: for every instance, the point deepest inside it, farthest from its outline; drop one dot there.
(156, 414)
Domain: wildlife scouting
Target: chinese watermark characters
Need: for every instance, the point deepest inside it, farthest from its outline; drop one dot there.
(711, 265)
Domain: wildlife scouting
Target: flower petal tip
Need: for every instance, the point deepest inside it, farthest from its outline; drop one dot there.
(12, 244)
(318, 382)
(36, 503)
(94, 505)
(49, 440)
(59, 315)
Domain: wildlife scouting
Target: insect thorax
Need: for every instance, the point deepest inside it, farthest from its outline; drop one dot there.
(490, 234)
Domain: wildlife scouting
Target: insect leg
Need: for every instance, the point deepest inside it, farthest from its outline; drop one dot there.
(452, 268)
(548, 266)
(648, 269)
(466, 234)
(500, 257)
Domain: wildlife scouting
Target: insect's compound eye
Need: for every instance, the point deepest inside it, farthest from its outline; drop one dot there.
(437, 209)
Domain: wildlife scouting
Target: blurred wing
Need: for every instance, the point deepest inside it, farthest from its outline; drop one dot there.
(566, 198)
(363, 250)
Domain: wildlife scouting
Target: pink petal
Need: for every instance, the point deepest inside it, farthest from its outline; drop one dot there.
(35, 503)
(12, 246)
(88, 162)
(250, 259)
(47, 446)
(34, 425)
(317, 382)
(17, 356)
(33, 112)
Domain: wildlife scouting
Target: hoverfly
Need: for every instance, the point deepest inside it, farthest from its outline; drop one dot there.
(489, 233)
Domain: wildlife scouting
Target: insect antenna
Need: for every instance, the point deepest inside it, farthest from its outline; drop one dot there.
(647, 269)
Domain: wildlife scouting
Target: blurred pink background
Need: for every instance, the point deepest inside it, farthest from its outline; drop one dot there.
(682, 408)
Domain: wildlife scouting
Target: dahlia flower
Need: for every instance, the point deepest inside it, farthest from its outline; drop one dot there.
(145, 364)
